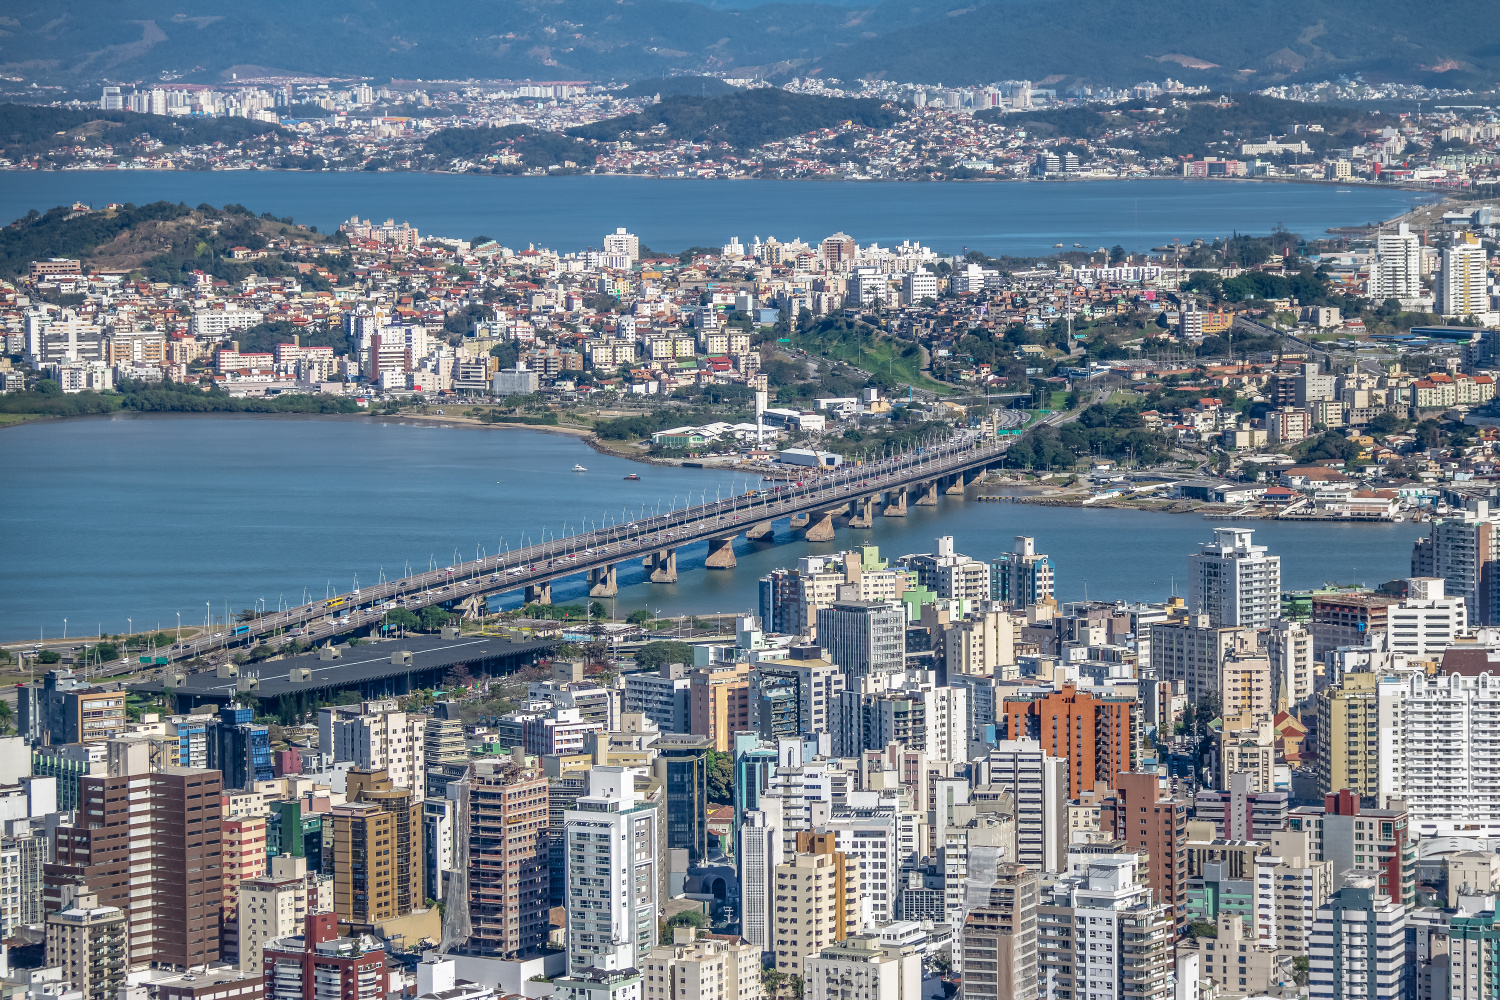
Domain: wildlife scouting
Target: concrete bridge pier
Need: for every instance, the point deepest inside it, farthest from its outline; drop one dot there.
(760, 531)
(662, 566)
(956, 487)
(603, 581)
(895, 503)
(473, 607)
(720, 553)
(929, 494)
(821, 529)
(539, 593)
(801, 520)
(862, 513)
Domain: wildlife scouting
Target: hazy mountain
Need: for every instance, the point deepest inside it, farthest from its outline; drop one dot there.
(1241, 44)
(1246, 44)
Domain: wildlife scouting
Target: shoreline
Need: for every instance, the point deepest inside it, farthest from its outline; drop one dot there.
(585, 435)
(1309, 181)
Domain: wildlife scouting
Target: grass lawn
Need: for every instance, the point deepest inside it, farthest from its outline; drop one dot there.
(7, 419)
(882, 355)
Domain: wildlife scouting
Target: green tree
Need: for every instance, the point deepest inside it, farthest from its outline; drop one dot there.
(1299, 969)
(49, 656)
(597, 610)
(434, 617)
(653, 654)
(639, 616)
(721, 777)
(7, 717)
(403, 619)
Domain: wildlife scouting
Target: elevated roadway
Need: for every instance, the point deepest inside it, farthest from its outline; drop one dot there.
(883, 488)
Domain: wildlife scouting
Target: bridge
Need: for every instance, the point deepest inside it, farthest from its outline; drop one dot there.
(858, 492)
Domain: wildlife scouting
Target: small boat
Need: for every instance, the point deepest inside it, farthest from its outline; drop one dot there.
(632, 476)
(1078, 244)
(579, 468)
(1057, 244)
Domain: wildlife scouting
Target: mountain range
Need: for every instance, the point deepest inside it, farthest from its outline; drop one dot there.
(956, 42)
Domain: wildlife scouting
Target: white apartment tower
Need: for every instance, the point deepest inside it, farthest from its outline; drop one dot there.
(1397, 273)
(1427, 621)
(760, 853)
(1039, 784)
(1358, 944)
(375, 735)
(1234, 581)
(622, 243)
(610, 870)
(1448, 756)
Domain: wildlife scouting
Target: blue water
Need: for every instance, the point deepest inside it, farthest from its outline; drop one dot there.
(571, 213)
(148, 516)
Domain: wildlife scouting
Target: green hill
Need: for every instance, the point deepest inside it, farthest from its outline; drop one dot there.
(29, 131)
(743, 119)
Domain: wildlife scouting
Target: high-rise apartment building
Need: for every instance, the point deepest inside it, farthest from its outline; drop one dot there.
(981, 644)
(681, 765)
(1101, 935)
(662, 697)
(1463, 549)
(1294, 672)
(997, 941)
(864, 637)
(149, 843)
(1022, 576)
(758, 857)
(377, 850)
(1142, 813)
(1350, 719)
(1358, 945)
(1463, 282)
(949, 574)
(719, 703)
(1289, 887)
(816, 902)
(1096, 735)
(1446, 764)
(88, 943)
(1397, 272)
(507, 870)
(794, 696)
(1038, 783)
(611, 859)
(1426, 621)
(244, 856)
(67, 709)
(1193, 651)
(1234, 581)
(276, 905)
(377, 736)
(1355, 840)
(621, 243)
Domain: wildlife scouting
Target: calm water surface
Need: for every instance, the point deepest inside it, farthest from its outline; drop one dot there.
(147, 516)
(571, 213)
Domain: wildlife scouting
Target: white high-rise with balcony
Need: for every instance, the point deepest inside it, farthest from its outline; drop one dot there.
(1397, 273)
(1235, 582)
(610, 870)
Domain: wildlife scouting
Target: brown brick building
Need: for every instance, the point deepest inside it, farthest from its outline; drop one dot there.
(509, 877)
(1141, 812)
(160, 864)
(1097, 736)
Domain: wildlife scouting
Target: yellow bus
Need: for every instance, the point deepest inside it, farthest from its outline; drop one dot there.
(334, 603)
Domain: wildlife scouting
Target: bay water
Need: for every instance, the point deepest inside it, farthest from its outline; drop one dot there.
(572, 213)
(147, 516)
